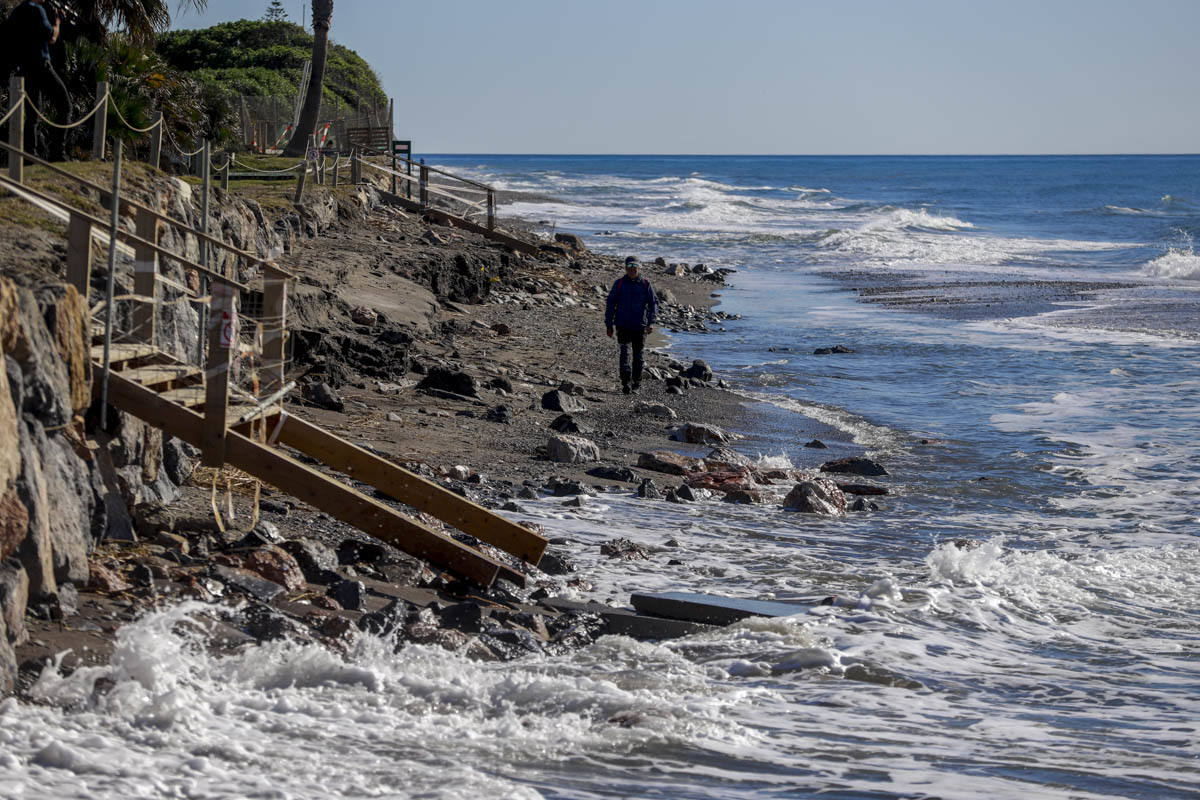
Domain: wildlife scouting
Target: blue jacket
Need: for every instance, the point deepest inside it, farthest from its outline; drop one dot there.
(29, 26)
(631, 304)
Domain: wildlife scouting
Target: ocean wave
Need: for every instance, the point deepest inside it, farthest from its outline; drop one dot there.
(920, 219)
(1180, 264)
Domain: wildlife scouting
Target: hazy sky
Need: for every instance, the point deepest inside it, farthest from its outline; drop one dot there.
(777, 76)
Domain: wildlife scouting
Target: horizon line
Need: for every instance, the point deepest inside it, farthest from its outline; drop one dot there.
(821, 155)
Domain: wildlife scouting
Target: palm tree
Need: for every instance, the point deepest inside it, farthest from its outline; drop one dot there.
(322, 14)
(141, 19)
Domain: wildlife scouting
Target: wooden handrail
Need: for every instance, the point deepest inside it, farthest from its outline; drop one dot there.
(105, 192)
(125, 236)
(406, 160)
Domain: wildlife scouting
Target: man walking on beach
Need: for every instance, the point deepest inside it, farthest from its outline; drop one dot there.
(631, 309)
(28, 34)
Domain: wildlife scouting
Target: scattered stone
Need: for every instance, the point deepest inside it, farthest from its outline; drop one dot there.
(568, 488)
(723, 458)
(835, 350)
(660, 410)
(248, 582)
(350, 595)
(624, 474)
(274, 507)
(558, 400)
(670, 496)
(624, 549)
(322, 395)
(668, 462)
(570, 240)
(500, 414)
(567, 449)
(355, 551)
(361, 315)
(863, 505)
(555, 563)
(500, 329)
(513, 506)
(142, 575)
(467, 616)
(387, 619)
(816, 444)
(103, 579)
(501, 384)
(565, 423)
(696, 433)
(744, 497)
(649, 490)
(699, 370)
(578, 501)
(443, 379)
(527, 493)
(854, 466)
(818, 496)
(316, 559)
(276, 565)
(862, 488)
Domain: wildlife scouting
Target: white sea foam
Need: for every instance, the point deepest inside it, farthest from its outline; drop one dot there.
(1179, 264)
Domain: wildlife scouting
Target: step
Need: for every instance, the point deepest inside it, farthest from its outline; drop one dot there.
(188, 396)
(121, 352)
(162, 375)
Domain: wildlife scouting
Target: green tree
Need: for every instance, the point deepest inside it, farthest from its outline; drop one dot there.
(275, 12)
(322, 14)
(140, 19)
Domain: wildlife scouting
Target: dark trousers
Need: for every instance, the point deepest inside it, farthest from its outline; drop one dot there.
(631, 339)
(50, 95)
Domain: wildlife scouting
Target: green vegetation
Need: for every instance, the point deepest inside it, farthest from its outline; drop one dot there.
(261, 58)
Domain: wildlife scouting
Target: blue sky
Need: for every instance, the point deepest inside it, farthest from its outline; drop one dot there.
(773, 76)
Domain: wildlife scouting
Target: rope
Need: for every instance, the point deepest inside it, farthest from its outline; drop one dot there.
(301, 165)
(74, 124)
(126, 122)
(195, 152)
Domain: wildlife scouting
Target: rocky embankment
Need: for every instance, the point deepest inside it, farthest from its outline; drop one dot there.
(475, 366)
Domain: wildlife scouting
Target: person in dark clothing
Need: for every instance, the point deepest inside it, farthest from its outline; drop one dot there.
(29, 33)
(631, 310)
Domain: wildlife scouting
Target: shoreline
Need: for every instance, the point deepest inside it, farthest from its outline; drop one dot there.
(540, 329)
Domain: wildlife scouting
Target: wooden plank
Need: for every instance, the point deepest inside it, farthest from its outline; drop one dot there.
(710, 609)
(188, 396)
(510, 242)
(79, 255)
(160, 376)
(320, 491)
(222, 339)
(623, 622)
(145, 278)
(408, 487)
(120, 353)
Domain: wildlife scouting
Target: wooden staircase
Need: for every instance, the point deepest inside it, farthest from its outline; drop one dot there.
(150, 385)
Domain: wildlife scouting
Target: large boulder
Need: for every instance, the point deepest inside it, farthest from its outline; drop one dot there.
(698, 433)
(818, 496)
(668, 462)
(854, 466)
(567, 449)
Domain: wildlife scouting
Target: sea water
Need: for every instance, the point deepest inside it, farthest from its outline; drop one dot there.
(1019, 619)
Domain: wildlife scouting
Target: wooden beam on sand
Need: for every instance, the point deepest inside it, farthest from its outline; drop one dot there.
(320, 491)
(407, 487)
(511, 242)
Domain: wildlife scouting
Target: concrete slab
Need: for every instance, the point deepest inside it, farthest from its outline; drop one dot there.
(710, 609)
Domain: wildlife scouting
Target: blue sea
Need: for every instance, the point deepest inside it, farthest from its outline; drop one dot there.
(1020, 618)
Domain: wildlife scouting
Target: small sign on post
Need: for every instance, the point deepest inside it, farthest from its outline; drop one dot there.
(402, 148)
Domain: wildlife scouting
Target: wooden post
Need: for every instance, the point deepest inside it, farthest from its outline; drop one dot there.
(145, 277)
(274, 322)
(79, 253)
(156, 141)
(222, 345)
(299, 186)
(16, 128)
(100, 126)
(113, 230)
(355, 167)
(336, 159)
(491, 210)
(225, 172)
(423, 196)
(393, 167)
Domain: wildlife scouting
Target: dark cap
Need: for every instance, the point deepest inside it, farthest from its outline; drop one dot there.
(631, 261)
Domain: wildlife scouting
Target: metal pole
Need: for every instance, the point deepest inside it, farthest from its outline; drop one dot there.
(156, 141)
(16, 128)
(113, 229)
(100, 127)
(205, 191)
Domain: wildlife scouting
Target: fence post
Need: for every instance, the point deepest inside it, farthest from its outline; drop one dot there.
(336, 159)
(423, 195)
(79, 253)
(16, 128)
(355, 167)
(491, 210)
(222, 342)
(100, 126)
(145, 277)
(393, 167)
(299, 186)
(113, 230)
(156, 141)
(274, 331)
(225, 172)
